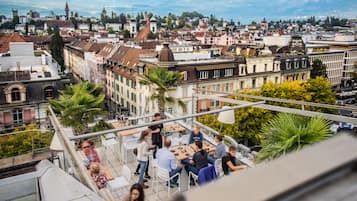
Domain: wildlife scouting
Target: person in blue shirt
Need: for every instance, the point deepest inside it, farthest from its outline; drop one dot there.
(167, 160)
(196, 135)
(220, 149)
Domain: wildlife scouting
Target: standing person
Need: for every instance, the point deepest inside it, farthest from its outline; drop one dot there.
(143, 154)
(156, 133)
(167, 160)
(229, 162)
(220, 149)
(196, 135)
(136, 193)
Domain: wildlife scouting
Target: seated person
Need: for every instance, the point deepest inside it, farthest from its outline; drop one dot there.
(90, 153)
(99, 178)
(195, 135)
(199, 160)
(166, 159)
(229, 162)
(220, 149)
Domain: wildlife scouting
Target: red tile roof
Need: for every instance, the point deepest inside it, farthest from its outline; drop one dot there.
(128, 56)
(5, 40)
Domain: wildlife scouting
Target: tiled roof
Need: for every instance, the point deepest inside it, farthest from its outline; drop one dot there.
(5, 40)
(106, 50)
(129, 56)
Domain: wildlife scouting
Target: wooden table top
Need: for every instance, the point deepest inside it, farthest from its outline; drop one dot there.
(128, 132)
(182, 152)
(172, 128)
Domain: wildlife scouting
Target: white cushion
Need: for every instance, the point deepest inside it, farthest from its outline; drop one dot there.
(118, 183)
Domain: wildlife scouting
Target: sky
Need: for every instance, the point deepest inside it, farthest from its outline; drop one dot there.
(242, 10)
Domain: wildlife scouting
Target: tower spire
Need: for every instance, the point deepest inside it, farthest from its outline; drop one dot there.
(67, 10)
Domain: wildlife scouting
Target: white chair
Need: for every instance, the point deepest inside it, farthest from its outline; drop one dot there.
(164, 175)
(127, 150)
(154, 166)
(194, 177)
(120, 185)
(218, 167)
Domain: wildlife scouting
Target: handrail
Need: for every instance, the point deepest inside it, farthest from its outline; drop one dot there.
(99, 133)
(290, 101)
(72, 152)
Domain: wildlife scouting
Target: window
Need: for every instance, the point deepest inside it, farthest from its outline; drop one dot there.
(15, 94)
(304, 63)
(203, 75)
(17, 116)
(253, 82)
(241, 84)
(265, 80)
(214, 103)
(121, 79)
(127, 94)
(273, 66)
(276, 80)
(254, 68)
(265, 67)
(226, 87)
(203, 88)
(48, 92)
(216, 73)
(133, 84)
(228, 72)
(242, 70)
(218, 87)
(288, 65)
(303, 76)
(184, 91)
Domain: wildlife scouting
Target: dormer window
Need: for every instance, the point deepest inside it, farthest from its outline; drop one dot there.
(15, 94)
(48, 91)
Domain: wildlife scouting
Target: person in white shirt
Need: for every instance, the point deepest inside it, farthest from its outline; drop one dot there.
(166, 159)
(143, 154)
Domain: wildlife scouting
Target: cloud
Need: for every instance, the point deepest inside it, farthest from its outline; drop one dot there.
(244, 10)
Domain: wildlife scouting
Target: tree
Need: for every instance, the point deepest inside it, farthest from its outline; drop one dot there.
(22, 143)
(15, 20)
(286, 133)
(126, 34)
(26, 28)
(78, 105)
(316, 90)
(163, 81)
(56, 47)
(318, 69)
(101, 126)
(151, 35)
(248, 123)
(122, 19)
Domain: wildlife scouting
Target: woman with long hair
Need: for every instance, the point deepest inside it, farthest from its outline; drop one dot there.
(136, 193)
(143, 154)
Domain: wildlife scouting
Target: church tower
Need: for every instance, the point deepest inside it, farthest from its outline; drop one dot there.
(67, 10)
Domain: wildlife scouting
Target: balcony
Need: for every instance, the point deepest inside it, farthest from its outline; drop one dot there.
(115, 148)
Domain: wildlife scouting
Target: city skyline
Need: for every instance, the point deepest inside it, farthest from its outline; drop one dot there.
(242, 10)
